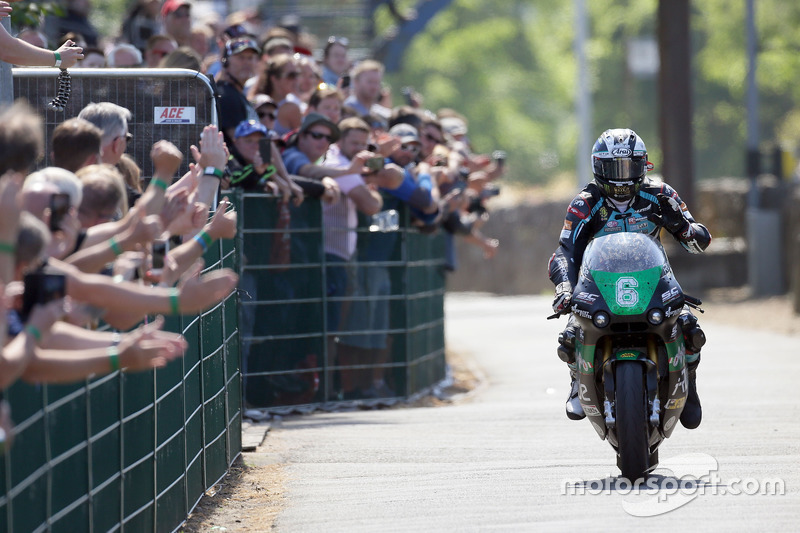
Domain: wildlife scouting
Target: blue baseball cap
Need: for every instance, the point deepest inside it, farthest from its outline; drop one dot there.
(248, 127)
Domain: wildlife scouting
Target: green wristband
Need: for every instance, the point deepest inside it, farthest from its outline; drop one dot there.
(58, 59)
(213, 171)
(7, 248)
(34, 331)
(206, 238)
(155, 182)
(173, 301)
(115, 246)
(113, 357)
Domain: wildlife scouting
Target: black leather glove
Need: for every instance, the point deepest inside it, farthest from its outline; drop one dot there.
(563, 298)
(671, 215)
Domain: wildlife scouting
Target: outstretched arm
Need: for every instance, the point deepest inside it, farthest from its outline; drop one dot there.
(142, 349)
(18, 52)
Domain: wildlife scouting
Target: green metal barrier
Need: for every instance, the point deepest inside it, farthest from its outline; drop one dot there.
(389, 344)
(129, 452)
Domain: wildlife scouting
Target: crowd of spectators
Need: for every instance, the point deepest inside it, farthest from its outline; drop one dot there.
(75, 249)
(291, 124)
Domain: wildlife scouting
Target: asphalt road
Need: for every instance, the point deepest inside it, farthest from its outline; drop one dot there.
(508, 459)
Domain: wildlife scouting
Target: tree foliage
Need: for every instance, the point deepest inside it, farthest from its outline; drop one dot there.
(510, 67)
(29, 14)
(510, 70)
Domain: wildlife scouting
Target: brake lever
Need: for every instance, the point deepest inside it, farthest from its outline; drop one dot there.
(693, 302)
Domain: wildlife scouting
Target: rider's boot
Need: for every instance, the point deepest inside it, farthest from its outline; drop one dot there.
(694, 339)
(566, 352)
(574, 407)
(692, 413)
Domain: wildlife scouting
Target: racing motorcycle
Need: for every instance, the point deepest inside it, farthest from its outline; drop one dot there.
(629, 347)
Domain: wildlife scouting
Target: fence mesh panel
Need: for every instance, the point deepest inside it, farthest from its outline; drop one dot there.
(129, 452)
(388, 339)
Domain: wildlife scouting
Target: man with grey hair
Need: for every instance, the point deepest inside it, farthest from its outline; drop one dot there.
(124, 55)
(113, 122)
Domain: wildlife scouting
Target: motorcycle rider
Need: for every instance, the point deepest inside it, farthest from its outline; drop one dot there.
(623, 198)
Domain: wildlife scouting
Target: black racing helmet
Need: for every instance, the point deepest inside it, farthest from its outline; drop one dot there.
(619, 163)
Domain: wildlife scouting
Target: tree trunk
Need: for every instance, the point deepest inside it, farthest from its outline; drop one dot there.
(675, 97)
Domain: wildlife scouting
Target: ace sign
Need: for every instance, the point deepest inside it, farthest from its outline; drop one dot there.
(173, 115)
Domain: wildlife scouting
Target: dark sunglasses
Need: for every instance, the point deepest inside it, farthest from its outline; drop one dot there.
(433, 139)
(410, 148)
(317, 135)
(262, 114)
(291, 75)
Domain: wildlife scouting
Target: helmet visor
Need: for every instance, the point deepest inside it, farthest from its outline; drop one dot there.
(623, 168)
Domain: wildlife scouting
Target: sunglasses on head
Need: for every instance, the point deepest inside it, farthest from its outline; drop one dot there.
(317, 135)
(344, 41)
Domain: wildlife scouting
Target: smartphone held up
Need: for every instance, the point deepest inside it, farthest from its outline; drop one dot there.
(59, 207)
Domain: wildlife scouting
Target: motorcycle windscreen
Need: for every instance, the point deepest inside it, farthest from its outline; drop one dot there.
(626, 268)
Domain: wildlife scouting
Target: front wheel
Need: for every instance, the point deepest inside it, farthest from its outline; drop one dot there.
(632, 420)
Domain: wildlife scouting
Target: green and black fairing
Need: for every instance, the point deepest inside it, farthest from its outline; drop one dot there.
(627, 303)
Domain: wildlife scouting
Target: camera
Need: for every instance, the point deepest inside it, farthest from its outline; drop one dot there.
(489, 191)
(59, 207)
(374, 164)
(265, 150)
(408, 95)
(499, 157)
(41, 287)
(160, 250)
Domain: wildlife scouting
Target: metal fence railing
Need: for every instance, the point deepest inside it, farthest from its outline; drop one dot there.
(136, 452)
(129, 452)
(151, 95)
(383, 340)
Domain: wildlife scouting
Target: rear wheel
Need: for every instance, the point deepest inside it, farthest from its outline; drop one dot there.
(632, 420)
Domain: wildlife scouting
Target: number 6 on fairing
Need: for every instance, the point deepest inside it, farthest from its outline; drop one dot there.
(627, 295)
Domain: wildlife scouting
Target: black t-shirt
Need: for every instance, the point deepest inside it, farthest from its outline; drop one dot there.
(232, 108)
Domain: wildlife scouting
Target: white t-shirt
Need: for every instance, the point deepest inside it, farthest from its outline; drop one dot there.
(341, 219)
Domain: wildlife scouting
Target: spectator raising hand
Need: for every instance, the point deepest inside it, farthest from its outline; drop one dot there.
(211, 158)
(221, 226)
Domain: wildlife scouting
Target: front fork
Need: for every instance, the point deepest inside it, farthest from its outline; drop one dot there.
(601, 357)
